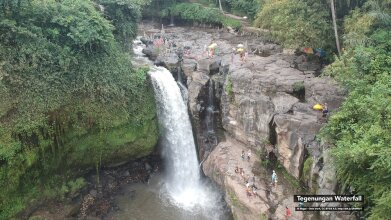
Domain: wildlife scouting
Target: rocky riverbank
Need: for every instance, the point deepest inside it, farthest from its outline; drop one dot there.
(96, 199)
(263, 105)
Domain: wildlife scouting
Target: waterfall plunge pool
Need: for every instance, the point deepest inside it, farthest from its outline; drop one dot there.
(148, 202)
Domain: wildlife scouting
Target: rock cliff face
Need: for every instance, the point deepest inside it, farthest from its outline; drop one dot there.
(262, 105)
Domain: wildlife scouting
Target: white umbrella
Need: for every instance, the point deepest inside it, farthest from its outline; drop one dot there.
(240, 45)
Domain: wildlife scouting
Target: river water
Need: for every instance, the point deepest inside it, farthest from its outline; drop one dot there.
(148, 202)
(181, 192)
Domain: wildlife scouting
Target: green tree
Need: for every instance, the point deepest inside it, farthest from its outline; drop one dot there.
(124, 14)
(360, 129)
(332, 6)
(67, 90)
(297, 23)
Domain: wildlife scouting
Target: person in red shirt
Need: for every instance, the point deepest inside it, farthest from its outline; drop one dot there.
(288, 213)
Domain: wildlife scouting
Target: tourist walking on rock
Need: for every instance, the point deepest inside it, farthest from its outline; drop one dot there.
(288, 213)
(254, 190)
(241, 54)
(232, 55)
(242, 155)
(248, 179)
(242, 172)
(274, 178)
(248, 192)
(248, 155)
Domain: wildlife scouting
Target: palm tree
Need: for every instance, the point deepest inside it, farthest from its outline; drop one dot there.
(335, 26)
(221, 8)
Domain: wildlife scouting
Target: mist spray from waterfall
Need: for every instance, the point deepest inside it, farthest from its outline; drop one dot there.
(183, 184)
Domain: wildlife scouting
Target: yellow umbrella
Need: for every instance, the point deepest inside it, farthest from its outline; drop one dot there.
(318, 107)
(212, 45)
(240, 50)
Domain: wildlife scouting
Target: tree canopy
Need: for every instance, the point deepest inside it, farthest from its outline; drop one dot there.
(64, 74)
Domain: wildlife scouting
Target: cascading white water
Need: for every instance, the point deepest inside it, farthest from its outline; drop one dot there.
(182, 186)
(177, 138)
(139, 58)
(183, 183)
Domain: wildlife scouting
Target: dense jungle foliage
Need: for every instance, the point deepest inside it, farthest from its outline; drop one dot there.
(70, 99)
(361, 129)
(193, 12)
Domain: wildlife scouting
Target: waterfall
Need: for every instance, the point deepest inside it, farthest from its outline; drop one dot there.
(139, 59)
(183, 184)
(210, 109)
(177, 137)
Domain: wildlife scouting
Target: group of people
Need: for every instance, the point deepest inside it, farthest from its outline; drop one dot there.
(212, 49)
(251, 189)
(243, 155)
(162, 42)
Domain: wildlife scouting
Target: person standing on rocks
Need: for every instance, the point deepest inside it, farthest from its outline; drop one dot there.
(232, 55)
(248, 155)
(242, 155)
(325, 110)
(274, 178)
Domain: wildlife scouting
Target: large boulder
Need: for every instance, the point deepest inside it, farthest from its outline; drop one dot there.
(197, 81)
(170, 61)
(294, 133)
(150, 52)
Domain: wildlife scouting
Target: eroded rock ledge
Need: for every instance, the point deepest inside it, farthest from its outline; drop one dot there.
(263, 105)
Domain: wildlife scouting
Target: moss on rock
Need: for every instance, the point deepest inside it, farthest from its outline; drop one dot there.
(123, 143)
